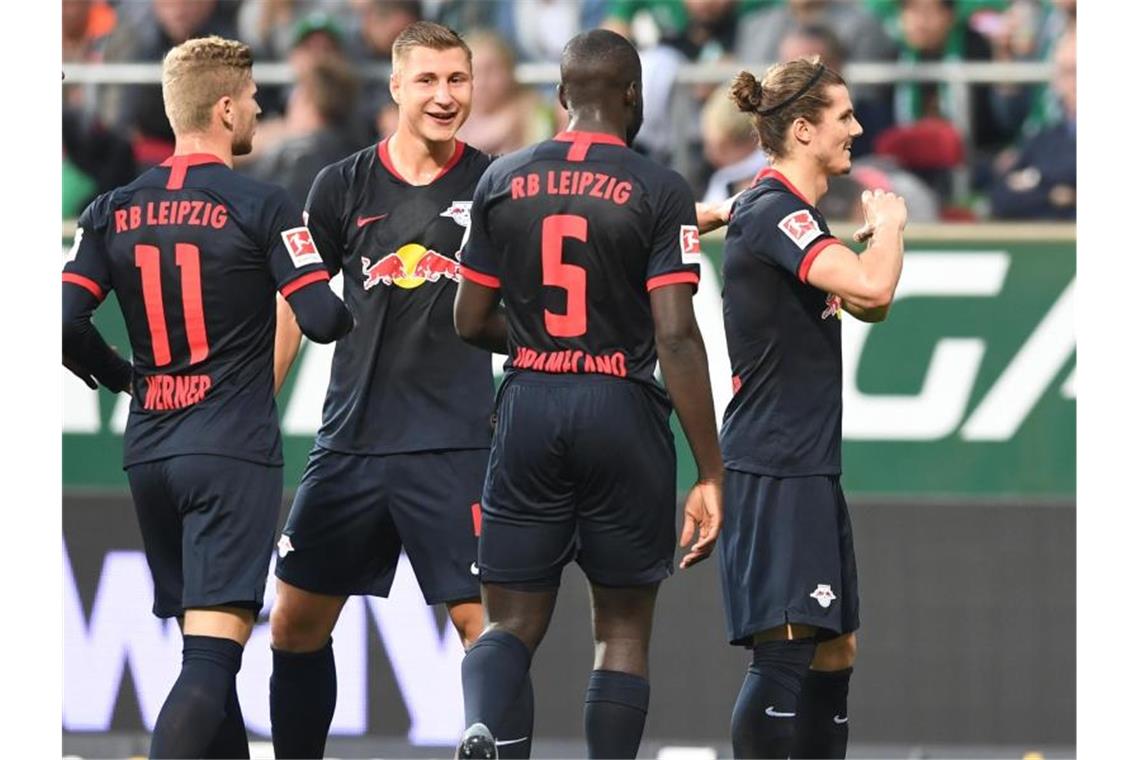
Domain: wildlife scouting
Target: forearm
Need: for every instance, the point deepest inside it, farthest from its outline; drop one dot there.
(684, 366)
(84, 347)
(882, 266)
(491, 334)
(286, 343)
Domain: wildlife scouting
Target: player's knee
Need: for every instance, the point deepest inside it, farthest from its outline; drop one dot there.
(625, 655)
(836, 654)
(294, 629)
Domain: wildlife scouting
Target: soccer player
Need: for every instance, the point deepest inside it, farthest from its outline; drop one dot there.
(402, 450)
(594, 251)
(194, 253)
(787, 561)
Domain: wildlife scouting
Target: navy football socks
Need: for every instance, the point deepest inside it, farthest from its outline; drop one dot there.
(196, 705)
(518, 725)
(495, 673)
(231, 740)
(302, 699)
(616, 705)
(764, 718)
(821, 718)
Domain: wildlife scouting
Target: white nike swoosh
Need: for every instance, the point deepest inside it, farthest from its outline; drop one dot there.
(839, 720)
(510, 741)
(771, 713)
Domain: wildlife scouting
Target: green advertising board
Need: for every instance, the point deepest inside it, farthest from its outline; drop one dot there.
(967, 391)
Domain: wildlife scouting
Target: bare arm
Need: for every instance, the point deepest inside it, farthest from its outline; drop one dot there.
(866, 282)
(684, 366)
(479, 319)
(286, 343)
(712, 217)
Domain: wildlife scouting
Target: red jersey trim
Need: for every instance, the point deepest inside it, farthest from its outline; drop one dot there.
(86, 283)
(672, 278)
(581, 142)
(386, 160)
(479, 278)
(293, 286)
(179, 163)
(779, 177)
(809, 256)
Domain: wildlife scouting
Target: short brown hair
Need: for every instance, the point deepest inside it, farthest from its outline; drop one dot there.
(426, 34)
(789, 91)
(332, 87)
(197, 73)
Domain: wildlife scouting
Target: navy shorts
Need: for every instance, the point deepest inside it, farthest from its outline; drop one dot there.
(582, 468)
(353, 513)
(786, 555)
(207, 526)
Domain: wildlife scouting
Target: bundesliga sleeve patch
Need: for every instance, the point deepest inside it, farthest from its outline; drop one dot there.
(801, 227)
(690, 239)
(74, 250)
(302, 249)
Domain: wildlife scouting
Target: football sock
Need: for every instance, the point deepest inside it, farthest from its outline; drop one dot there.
(763, 720)
(196, 705)
(230, 741)
(616, 704)
(518, 725)
(821, 718)
(302, 698)
(495, 670)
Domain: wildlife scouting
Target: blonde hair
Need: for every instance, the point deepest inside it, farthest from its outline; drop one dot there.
(426, 34)
(199, 72)
(721, 116)
(789, 91)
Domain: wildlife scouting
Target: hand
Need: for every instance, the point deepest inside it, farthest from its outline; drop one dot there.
(81, 373)
(704, 512)
(710, 217)
(882, 209)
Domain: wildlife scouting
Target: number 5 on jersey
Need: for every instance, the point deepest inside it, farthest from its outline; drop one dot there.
(569, 277)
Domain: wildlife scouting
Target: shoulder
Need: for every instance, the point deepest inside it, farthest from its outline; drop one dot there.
(475, 159)
(767, 206)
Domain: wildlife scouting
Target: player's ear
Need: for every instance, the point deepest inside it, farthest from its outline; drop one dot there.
(225, 110)
(394, 85)
(802, 130)
(562, 96)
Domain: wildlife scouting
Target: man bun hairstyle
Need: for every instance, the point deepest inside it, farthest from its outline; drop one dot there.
(789, 91)
(198, 73)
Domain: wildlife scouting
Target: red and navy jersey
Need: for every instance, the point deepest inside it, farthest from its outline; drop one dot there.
(195, 253)
(403, 381)
(783, 337)
(575, 232)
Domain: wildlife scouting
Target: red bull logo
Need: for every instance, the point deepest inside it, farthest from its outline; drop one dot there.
(833, 307)
(409, 267)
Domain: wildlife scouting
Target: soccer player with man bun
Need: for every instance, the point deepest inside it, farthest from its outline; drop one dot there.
(194, 253)
(787, 559)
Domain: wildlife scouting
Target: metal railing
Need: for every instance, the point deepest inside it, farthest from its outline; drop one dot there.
(958, 76)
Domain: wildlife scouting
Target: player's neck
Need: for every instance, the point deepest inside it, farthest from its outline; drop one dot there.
(807, 180)
(202, 143)
(597, 126)
(419, 160)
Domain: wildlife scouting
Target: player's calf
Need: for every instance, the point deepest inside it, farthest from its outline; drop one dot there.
(821, 719)
(763, 720)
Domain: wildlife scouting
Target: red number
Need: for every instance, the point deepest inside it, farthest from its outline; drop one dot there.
(571, 278)
(188, 259)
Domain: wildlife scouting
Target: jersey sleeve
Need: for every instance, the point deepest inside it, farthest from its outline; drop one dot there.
(292, 252)
(676, 253)
(323, 209)
(86, 264)
(477, 260)
(788, 232)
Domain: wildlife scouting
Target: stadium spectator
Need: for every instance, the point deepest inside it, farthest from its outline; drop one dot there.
(1041, 183)
(138, 110)
(731, 147)
(380, 22)
(504, 115)
(932, 32)
(667, 19)
(760, 34)
(270, 26)
(317, 126)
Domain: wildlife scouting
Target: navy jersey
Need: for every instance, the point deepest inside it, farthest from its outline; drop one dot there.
(576, 231)
(403, 381)
(783, 337)
(195, 252)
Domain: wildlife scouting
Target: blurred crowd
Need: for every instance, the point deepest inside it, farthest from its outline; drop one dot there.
(1013, 158)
